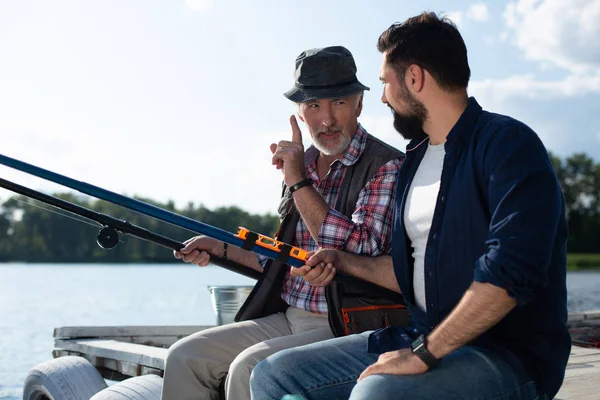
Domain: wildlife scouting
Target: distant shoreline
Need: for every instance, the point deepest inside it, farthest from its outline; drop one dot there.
(583, 262)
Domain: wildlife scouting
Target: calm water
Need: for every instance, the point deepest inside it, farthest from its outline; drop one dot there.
(36, 298)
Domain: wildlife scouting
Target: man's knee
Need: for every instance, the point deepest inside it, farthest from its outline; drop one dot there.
(242, 366)
(274, 376)
(262, 376)
(376, 387)
(185, 349)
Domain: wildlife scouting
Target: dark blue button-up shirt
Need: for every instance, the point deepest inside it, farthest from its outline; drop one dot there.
(500, 219)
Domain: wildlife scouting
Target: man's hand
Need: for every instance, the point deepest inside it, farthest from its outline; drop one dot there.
(398, 362)
(289, 156)
(320, 267)
(320, 275)
(197, 250)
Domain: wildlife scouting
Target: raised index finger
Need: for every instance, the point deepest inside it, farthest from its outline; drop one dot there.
(296, 133)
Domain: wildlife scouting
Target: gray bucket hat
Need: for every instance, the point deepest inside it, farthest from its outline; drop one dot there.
(324, 73)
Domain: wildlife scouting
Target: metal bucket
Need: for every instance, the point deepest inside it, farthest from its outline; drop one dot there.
(227, 300)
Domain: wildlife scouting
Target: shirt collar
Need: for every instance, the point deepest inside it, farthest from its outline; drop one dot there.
(464, 127)
(461, 131)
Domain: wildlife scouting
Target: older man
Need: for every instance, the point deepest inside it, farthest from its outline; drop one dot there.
(338, 194)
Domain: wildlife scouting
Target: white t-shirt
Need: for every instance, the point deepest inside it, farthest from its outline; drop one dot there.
(418, 213)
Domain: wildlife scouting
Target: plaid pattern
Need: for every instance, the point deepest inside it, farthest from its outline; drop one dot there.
(367, 232)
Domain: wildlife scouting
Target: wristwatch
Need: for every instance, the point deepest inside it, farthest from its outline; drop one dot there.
(419, 348)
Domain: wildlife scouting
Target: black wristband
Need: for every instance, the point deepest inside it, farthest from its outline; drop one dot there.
(419, 348)
(300, 184)
(225, 244)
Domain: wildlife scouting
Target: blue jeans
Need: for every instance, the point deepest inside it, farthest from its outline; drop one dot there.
(329, 369)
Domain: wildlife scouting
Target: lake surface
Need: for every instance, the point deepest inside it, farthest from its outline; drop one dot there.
(34, 299)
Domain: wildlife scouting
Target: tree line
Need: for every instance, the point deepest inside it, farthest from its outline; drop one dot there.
(34, 232)
(579, 178)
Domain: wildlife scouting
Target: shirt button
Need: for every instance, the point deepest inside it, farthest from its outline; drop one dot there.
(434, 236)
(429, 274)
(443, 198)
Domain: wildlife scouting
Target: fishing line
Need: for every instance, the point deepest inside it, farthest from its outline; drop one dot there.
(72, 216)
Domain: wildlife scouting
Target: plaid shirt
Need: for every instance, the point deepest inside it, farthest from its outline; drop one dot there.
(367, 232)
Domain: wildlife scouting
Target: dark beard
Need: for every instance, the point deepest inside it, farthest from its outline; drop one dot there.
(408, 126)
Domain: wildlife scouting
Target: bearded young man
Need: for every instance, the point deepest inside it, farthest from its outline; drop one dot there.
(478, 251)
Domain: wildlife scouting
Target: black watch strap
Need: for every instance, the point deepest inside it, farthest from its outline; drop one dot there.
(300, 184)
(419, 348)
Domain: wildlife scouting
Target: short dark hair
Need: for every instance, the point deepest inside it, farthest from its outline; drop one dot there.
(431, 42)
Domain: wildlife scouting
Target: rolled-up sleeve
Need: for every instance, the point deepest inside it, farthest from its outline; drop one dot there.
(525, 205)
(369, 229)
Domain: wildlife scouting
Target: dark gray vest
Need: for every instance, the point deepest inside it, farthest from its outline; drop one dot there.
(351, 309)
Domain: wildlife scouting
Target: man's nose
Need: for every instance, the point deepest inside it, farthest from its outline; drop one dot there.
(328, 118)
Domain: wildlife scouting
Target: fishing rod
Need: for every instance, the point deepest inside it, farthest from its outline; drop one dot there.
(245, 239)
(108, 236)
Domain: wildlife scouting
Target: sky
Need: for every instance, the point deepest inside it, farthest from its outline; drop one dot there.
(180, 99)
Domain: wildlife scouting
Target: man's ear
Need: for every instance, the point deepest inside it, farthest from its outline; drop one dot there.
(359, 106)
(299, 113)
(415, 78)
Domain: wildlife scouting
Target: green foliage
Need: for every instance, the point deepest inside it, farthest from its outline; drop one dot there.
(579, 178)
(582, 261)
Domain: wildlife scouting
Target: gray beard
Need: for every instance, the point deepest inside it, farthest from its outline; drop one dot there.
(340, 148)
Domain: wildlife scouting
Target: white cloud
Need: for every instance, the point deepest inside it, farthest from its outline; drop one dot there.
(527, 86)
(559, 111)
(455, 16)
(563, 33)
(555, 34)
(489, 39)
(199, 5)
(214, 173)
(478, 12)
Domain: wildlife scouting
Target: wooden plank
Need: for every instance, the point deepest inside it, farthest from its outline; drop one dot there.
(584, 385)
(584, 315)
(111, 369)
(582, 376)
(132, 353)
(583, 351)
(589, 359)
(73, 332)
(154, 341)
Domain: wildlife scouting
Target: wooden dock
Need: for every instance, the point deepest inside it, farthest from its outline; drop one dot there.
(582, 378)
(123, 352)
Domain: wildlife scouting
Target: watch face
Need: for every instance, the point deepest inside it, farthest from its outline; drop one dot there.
(417, 343)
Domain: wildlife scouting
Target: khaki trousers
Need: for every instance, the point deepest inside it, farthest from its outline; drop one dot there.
(197, 364)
